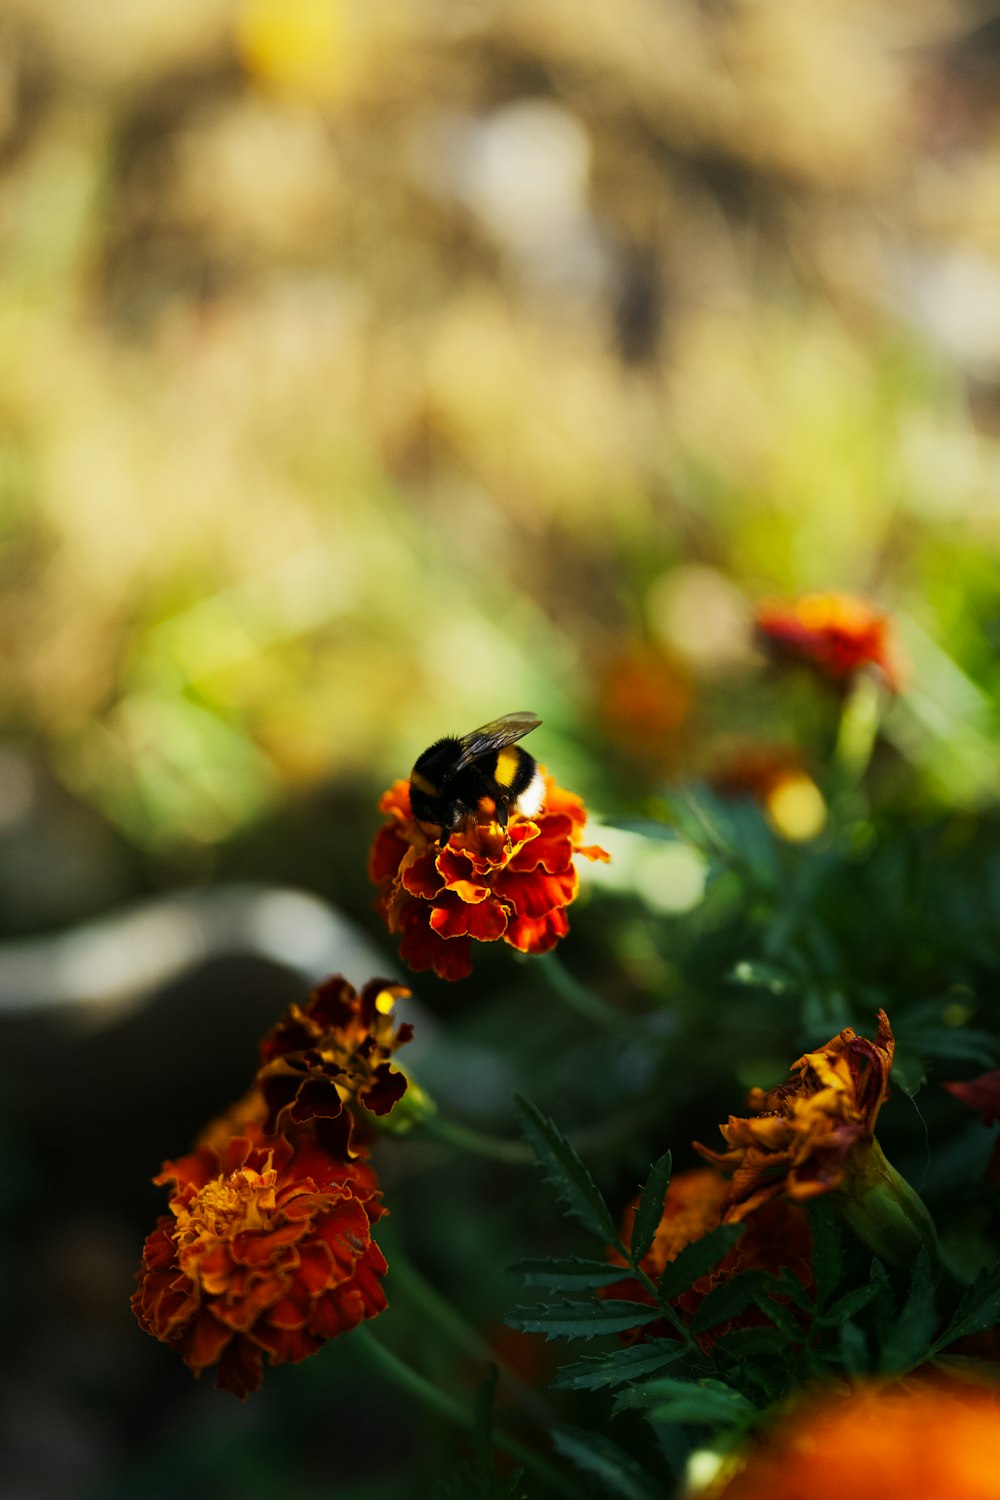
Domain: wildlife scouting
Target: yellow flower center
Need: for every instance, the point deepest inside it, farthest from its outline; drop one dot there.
(224, 1207)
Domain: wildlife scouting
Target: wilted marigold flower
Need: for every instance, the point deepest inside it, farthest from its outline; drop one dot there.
(901, 1442)
(838, 634)
(267, 1250)
(484, 883)
(778, 1235)
(334, 1052)
(798, 1137)
(327, 1061)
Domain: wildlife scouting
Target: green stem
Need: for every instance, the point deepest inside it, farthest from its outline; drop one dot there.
(673, 1317)
(857, 732)
(413, 1286)
(514, 1153)
(576, 995)
(436, 1400)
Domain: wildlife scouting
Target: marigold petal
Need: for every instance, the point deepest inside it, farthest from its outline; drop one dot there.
(456, 919)
(422, 948)
(538, 934)
(536, 894)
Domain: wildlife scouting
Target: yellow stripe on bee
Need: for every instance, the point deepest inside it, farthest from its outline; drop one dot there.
(508, 762)
(422, 784)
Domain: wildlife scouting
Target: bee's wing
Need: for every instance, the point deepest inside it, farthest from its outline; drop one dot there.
(495, 735)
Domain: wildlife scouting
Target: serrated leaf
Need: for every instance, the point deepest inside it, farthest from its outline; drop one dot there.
(978, 1310)
(707, 1402)
(620, 1366)
(617, 1472)
(782, 1317)
(727, 1300)
(697, 1260)
(650, 1209)
(788, 1286)
(583, 1320)
(827, 1250)
(909, 1336)
(565, 1171)
(569, 1275)
(850, 1303)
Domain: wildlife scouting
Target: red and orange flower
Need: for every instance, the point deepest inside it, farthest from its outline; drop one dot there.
(878, 1443)
(267, 1252)
(485, 883)
(799, 1137)
(837, 634)
(778, 1235)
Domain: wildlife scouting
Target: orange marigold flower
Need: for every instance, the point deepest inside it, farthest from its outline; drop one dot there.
(485, 883)
(799, 1136)
(879, 1443)
(838, 634)
(267, 1250)
(778, 1235)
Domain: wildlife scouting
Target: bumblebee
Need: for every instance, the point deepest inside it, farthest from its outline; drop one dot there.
(480, 778)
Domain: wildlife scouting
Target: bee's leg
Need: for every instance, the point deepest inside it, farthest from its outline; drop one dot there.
(503, 813)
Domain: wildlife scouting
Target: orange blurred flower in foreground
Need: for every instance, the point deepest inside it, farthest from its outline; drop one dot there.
(838, 634)
(267, 1250)
(777, 1235)
(485, 883)
(799, 1136)
(941, 1441)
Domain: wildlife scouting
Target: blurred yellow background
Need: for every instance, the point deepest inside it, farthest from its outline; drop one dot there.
(369, 368)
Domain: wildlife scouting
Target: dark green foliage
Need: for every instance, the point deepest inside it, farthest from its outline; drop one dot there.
(650, 1210)
(616, 1472)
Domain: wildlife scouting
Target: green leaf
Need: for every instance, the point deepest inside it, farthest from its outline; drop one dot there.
(743, 1343)
(565, 1171)
(727, 1300)
(650, 1209)
(909, 1336)
(583, 1320)
(782, 1317)
(569, 1275)
(620, 1366)
(697, 1260)
(707, 1402)
(828, 1250)
(850, 1303)
(884, 1302)
(616, 1471)
(853, 1349)
(978, 1310)
(787, 1285)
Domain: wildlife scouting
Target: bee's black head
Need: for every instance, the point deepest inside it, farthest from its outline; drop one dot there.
(430, 791)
